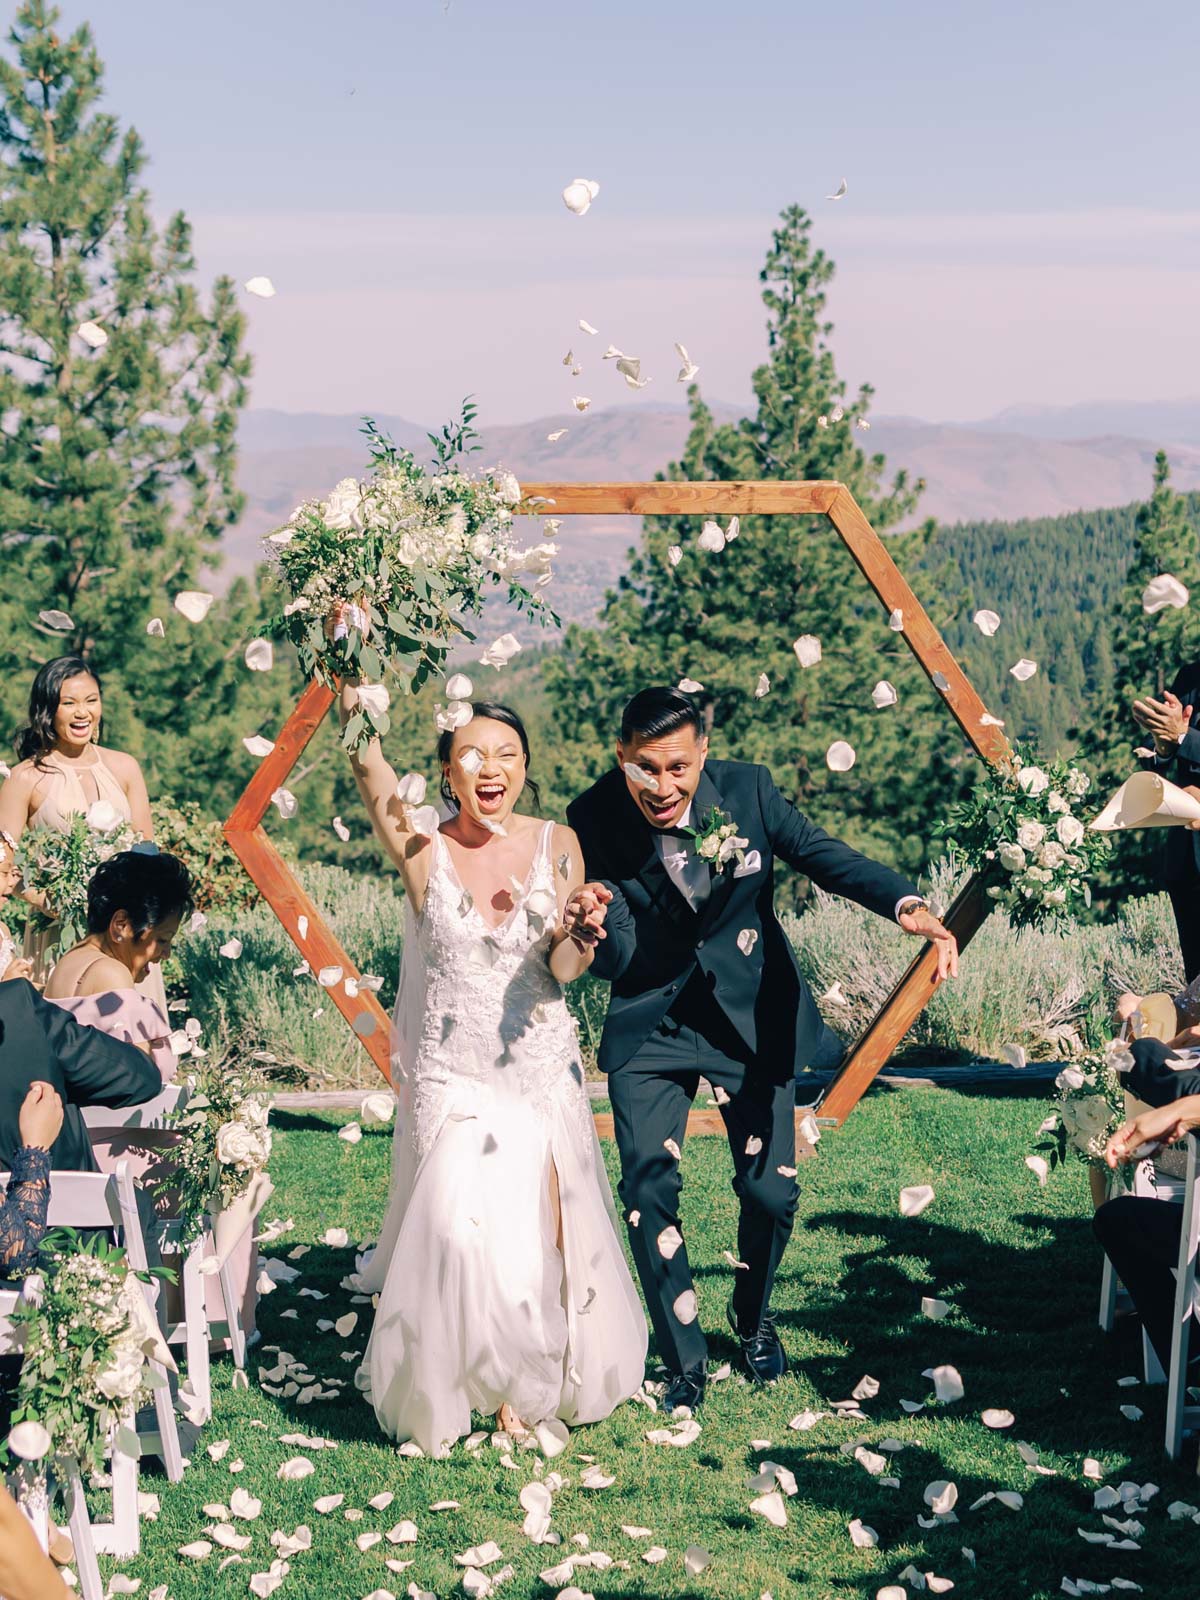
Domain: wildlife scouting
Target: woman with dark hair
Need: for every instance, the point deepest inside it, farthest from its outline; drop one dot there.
(63, 771)
(501, 1280)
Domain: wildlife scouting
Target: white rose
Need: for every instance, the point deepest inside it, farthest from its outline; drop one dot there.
(1012, 857)
(507, 487)
(103, 817)
(238, 1145)
(707, 848)
(1031, 834)
(1078, 783)
(1056, 803)
(1033, 780)
(1055, 897)
(1070, 1078)
(455, 525)
(122, 1377)
(481, 547)
(1085, 1119)
(1051, 854)
(1069, 830)
(343, 509)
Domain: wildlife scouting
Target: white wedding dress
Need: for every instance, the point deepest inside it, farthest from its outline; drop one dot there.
(477, 1305)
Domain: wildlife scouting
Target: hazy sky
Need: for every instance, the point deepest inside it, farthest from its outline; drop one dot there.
(1022, 222)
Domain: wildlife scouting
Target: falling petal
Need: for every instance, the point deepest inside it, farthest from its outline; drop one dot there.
(884, 694)
(747, 939)
(256, 745)
(231, 949)
(329, 977)
(941, 682)
(351, 1133)
(639, 777)
(260, 655)
(762, 687)
(674, 554)
(689, 686)
(839, 193)
(840, 756)
(686, 1310)
(30, 1441)
(935, 1310)
(947, 1384)
(870, 1460)
(1161, 592)
(913, 1201)
(93, 335)
(771, 1507)
(340, 828)
(670, 1146)
(863, 424)
(459, 687)
(941, 1497)
(987, 622)
(263, 287)
(1024, 670)
(865, 1389)
(712, 538)
(896, 621)
(285, 803)
(559, 433)
(56, 621)
(193, 604)
(578, 196)
(501, 651)
(581, 401)
(1040, 1169)
(155, 628)
(753, 1145)
(808, 650)
(997, 1419)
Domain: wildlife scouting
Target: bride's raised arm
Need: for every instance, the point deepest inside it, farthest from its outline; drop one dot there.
(389, 806)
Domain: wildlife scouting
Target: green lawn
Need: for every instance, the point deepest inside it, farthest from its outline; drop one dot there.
(1016, 1262)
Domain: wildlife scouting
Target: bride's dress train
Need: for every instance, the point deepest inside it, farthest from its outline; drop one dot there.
(477, 1304)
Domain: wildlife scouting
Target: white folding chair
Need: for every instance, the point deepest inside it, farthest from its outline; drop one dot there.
(150, 1114)
(1181, 1414)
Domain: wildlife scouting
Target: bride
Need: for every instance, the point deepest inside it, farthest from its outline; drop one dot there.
(502, 1284)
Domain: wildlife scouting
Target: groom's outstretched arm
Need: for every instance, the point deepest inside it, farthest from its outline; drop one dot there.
(830, 864)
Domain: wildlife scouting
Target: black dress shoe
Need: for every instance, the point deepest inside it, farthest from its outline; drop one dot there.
(685, 1389)
(763, 1357)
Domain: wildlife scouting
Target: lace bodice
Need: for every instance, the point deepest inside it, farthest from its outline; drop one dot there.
(493, 1018)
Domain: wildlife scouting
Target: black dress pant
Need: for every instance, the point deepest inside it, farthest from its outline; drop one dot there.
(1140, 1236)
(651, 1095)
(1181, 880)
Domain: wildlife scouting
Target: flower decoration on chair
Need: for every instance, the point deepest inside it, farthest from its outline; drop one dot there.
(86, 1335)
(60, 865)
(1089, 1106)
(408, 557)
(1020, 828)
(224, 1143)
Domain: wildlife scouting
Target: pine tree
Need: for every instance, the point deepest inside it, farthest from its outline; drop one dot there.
(722, 619)
(116, 456)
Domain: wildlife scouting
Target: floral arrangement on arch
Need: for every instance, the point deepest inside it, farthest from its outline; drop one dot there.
(60, 865)
(407, 557)
(224, 1144)
(1020, 827)
(1089, 1106)
(86, 1336)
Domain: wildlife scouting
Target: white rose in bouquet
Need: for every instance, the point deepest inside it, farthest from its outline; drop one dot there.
(344, 508)
(121, 1378)
(1085, 1118)
(239, 1145)
(102, 817)
(1055, 897)
(1033, 780)
(256, 1113)
(1056, 803)
(1012, 857)
(1069, 830)
(1078, 783)
(708, 848)
(507, 488)
(1051, 854)
(1070, 1078)
(455, 527)
(1030, 835)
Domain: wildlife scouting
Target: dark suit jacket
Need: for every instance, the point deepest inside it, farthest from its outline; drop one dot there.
(1152, 1080)
(1182, 847)
(41, 1041)
(656, 942)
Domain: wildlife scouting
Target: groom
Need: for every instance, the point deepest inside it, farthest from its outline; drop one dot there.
(704, 982)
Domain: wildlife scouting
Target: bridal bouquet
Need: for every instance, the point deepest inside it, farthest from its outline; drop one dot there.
(224, 1145)
(406, 556)
(86, 1335)
(60, 865)
(1020, 827)
(1089, 1105)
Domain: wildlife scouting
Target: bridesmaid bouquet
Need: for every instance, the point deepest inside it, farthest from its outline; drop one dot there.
(60, 865)
(1021, 828)
(86, 1335)
(406, 556)
(1089, 1106)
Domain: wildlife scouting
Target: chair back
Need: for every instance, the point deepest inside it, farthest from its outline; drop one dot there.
(150, 1114)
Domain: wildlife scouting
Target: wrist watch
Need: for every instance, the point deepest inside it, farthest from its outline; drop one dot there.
(913, 903)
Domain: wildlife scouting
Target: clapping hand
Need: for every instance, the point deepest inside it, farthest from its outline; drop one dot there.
(40, 1118)
(1167, 720)
(922, 923)
(1156, 1126)
(584, 913)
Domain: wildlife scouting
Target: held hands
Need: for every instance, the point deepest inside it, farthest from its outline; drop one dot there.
(584, 914)
(1157, 1126)
(41, 1116)
(922, 923)
(1167, 720)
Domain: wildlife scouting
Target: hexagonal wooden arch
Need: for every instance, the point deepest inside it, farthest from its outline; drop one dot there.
(911, 994)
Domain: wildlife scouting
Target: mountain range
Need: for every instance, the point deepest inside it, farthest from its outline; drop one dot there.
(1028, 461)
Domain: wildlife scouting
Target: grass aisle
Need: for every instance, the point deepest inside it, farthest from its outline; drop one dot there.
(1017, 1264)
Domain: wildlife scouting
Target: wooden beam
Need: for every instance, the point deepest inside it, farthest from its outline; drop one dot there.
(733, 498)
(901, 1009)
(919, 633)
(273, 770)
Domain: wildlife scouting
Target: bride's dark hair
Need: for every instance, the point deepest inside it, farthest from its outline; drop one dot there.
(494, 712)
(36, 738)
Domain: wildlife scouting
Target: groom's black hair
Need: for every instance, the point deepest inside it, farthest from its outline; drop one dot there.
(494, 712)
(654, 713)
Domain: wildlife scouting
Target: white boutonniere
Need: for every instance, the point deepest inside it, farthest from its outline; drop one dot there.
(717, 841)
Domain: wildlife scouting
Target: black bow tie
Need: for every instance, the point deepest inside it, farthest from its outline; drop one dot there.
(676, 833)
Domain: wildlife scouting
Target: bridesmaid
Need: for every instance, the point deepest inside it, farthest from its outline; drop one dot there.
(63, 770)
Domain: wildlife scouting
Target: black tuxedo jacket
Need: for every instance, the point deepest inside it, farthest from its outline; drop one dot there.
(1182, 767)
(656, 942)
(1152, 1080)
(39, 1041)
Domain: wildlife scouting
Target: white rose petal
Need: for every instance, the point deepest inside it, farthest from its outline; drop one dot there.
(685, 1307)
(674, 554)
(373, 698)
(987, 622)
(1040, 1169)
(753, 1145)
(285, 803)
(639, 777)
(711, 538)
(501, 652)
(840, 756)
(935, 1310)
(410, 789)
(578, 196)
(689, 686)
(329, 977)
(1024, 670)
(459, 687)
(1163, 591)
(997, 1418)
(30, 1441)
(762, 687)
(947, 1384)
(378, 1108)
(257, 746)
(155, 628)
(808, 649)
(884, 694)
(747, 939)
(56, 621)
(896, 620)
(941, 1497)
(231, 949)
(243, 1505)
(196, 1551)
(771, 1507)
(862, 1537)
(260, 655)
(351, 1133)
(193, 604)
(262, 287)
(915, 1199)
(93, 335)
(295, 1468)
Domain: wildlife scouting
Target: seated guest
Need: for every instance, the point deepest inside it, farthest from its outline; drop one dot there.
(1140, 1234)
(1153, 1016)
(1173, 724)
(40, 1043)
(11, 964)
(27, 1199)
